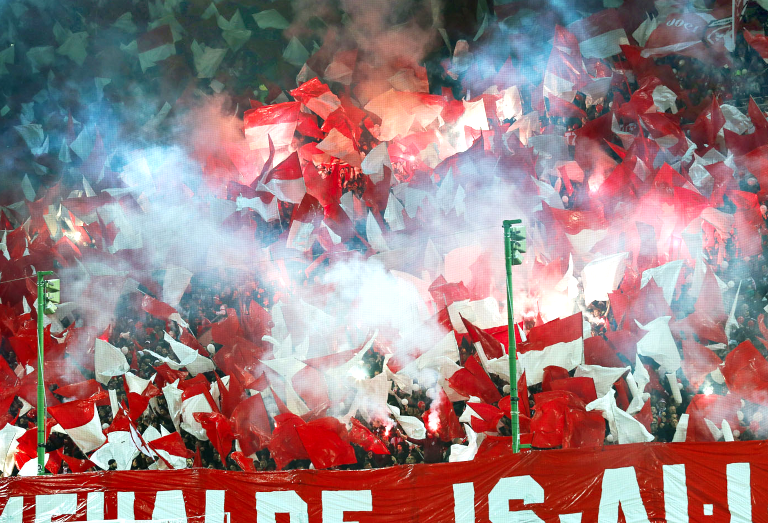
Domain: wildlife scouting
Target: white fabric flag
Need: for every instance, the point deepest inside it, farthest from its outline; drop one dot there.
(8, 436)
(109, 361)
(602, 276)
(623, 427)
(665, 277)
(120, 447)
(189, 406)
(659, 344)
(604, 377)
(189, 357)
(466, 452)
(413, 427)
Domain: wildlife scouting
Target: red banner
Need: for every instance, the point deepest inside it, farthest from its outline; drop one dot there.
(655, 482)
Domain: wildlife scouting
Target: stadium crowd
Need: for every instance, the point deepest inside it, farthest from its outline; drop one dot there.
(141, 334)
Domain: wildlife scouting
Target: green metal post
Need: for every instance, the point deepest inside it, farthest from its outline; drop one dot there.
(515, 413)
(513, 393)
(40, 377)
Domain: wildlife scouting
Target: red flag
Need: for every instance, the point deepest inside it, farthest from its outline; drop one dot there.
(80, 391)
(758, 42)
(491, 346)
(473, 381)
(243, 461)
(489, 417)
(77, 465)
(582, 387)
(552, 373)
(324, 441)
(219, 430)
(173, 444)
(360, 435)
(441, 419)
(156, 308)
(746, 373)
(285, 445)
(698, 361)
(232, 396)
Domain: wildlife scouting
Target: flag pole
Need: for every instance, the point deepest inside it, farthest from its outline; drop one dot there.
(40, 377)
(510, 251)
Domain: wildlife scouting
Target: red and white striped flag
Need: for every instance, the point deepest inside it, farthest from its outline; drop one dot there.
(277, 121)
(600, 35)
(559, 342)
(80, 420)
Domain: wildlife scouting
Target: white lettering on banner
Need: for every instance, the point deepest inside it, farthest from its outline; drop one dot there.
(677, 22)
(337, 502)
(507, 489)
(739, 492)
(49, 505)
(94, 506)
(675, 494)
(620, 488)
(269, 504)
(125, 505)
(464, 502)
(214, 506)
(169, 504)
(13, 510)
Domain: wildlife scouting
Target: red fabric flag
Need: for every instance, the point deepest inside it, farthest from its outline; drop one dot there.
(472, 380)
(522, 392)
(360, 435)
(698, 361)
(489, 417)
(243, 461)
(704, 130)
(597, 351)
(285, 445)
(219, 430)
(16, 243)
(80, 391)
(714, 408)
(758, 42)
(77, 465)
(173, 444)
(156, 308)
(444, 293)
(491, 346)
(309, 383)
(746, 373)
(561, 420)
(276, 122)
(255, 323)
(137, 404)
(441, 419)
(324, 441)
(232, 396)
(166, 375)
(552, 373)
(584, 429)
(582, 387)
(560, 108)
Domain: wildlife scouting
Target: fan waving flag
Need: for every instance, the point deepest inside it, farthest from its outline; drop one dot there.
(80, 420)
